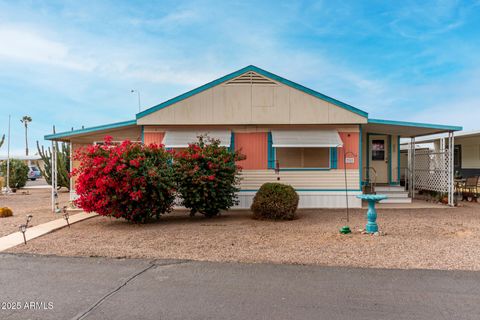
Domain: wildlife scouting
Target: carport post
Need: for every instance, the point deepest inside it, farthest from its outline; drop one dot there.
(53, 175)
(412, 168)
(451, 168)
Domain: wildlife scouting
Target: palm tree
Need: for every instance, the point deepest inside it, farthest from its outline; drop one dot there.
(26, 120)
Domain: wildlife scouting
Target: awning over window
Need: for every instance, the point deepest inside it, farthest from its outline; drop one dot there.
(306, 139)
(182, 138)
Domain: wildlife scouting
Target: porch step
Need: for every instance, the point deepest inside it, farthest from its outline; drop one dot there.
(397, 200)
(382, 189)
(396, 194)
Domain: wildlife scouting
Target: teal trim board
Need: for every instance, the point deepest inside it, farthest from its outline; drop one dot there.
(333, 158)
(271, 152)
(415, 124)
(143, 134)
(90, 130)
(311, 190)
(259, 71)
(389, 158)
(360, 152)
(232, 142)
(305, 169)
(399, 160)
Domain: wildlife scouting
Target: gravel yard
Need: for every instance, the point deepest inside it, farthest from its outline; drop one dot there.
(444, 238)
(29, 201)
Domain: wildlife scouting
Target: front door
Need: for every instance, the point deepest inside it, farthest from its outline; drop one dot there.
(379, 157)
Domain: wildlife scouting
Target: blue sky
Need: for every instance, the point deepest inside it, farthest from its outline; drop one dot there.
(73, 63)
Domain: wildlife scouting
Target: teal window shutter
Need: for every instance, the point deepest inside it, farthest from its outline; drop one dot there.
(333, 158)
(271, 152)
(232, 142)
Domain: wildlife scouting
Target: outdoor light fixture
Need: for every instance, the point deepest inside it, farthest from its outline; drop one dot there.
(66, 215)
(57, 209)
(23, 227)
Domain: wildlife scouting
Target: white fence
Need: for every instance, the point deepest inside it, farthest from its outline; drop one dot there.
(432, 170)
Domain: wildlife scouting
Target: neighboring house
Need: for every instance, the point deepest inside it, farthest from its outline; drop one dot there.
(466, 152)
(277, 124)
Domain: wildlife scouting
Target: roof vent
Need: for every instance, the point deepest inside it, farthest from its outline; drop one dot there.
(251, 78)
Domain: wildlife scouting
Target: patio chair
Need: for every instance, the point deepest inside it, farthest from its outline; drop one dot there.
(470, 189)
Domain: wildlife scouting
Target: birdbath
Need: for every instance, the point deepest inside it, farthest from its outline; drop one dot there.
(372, 225)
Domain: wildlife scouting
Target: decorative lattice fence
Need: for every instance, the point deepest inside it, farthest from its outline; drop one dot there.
(431, 169)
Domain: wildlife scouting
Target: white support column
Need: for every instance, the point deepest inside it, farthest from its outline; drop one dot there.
(408, 175)
(71, 168)
(52, 177)
(413, 167)
(451, 181)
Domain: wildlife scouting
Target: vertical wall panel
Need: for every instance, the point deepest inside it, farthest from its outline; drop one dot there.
(153, 137)
(255, 146)
(351, 143)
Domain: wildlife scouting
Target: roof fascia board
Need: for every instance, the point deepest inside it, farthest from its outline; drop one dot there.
(90, 130)
(415, 124)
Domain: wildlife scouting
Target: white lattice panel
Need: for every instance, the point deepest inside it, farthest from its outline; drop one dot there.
(431, 169)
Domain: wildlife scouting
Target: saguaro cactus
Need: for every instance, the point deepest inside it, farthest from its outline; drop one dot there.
(63, 163)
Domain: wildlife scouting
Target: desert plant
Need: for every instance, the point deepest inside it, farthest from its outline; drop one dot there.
(63, 163)
(18, 173)
(275, 201)
(5, 212)
(129, 180)
(26, 120)
(207, 177)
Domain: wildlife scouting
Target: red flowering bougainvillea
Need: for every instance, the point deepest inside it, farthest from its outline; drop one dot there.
(207, 177)
(128, 180)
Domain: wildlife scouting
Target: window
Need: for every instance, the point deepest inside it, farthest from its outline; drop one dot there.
(303, 157)
(378, 150)
(458, 156)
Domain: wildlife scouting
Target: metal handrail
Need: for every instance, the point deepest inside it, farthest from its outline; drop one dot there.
(371, 182)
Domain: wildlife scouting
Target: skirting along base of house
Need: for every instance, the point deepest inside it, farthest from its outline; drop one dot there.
(311, 199)
(308, 199)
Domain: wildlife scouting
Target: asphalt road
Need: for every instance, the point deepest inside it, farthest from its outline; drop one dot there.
(97, 288)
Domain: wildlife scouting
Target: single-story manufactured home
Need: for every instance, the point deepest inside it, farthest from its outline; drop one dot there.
(288, 132)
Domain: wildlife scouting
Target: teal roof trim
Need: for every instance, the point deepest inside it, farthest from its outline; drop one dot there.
(90, 130)
(415, 124)
(259, 71)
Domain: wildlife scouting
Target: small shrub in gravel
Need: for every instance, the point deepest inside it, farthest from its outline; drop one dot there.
(5, 212)
(207, 177)
(18, 173)
(275, 201)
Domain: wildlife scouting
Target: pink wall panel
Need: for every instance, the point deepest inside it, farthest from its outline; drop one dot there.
(255, 146)
(153, 137)
(352, 144)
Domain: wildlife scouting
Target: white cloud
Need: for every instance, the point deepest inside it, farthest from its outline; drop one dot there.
(27, 46)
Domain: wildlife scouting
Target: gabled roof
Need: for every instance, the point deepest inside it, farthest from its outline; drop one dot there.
(259, 71)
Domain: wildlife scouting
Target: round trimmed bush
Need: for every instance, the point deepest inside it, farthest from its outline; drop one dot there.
(275, 201)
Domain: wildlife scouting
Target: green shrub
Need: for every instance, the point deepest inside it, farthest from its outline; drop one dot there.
(275, 201)
(207, 177)
(18, 173)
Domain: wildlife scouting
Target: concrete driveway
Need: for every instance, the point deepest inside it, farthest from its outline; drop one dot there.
(97, 288)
